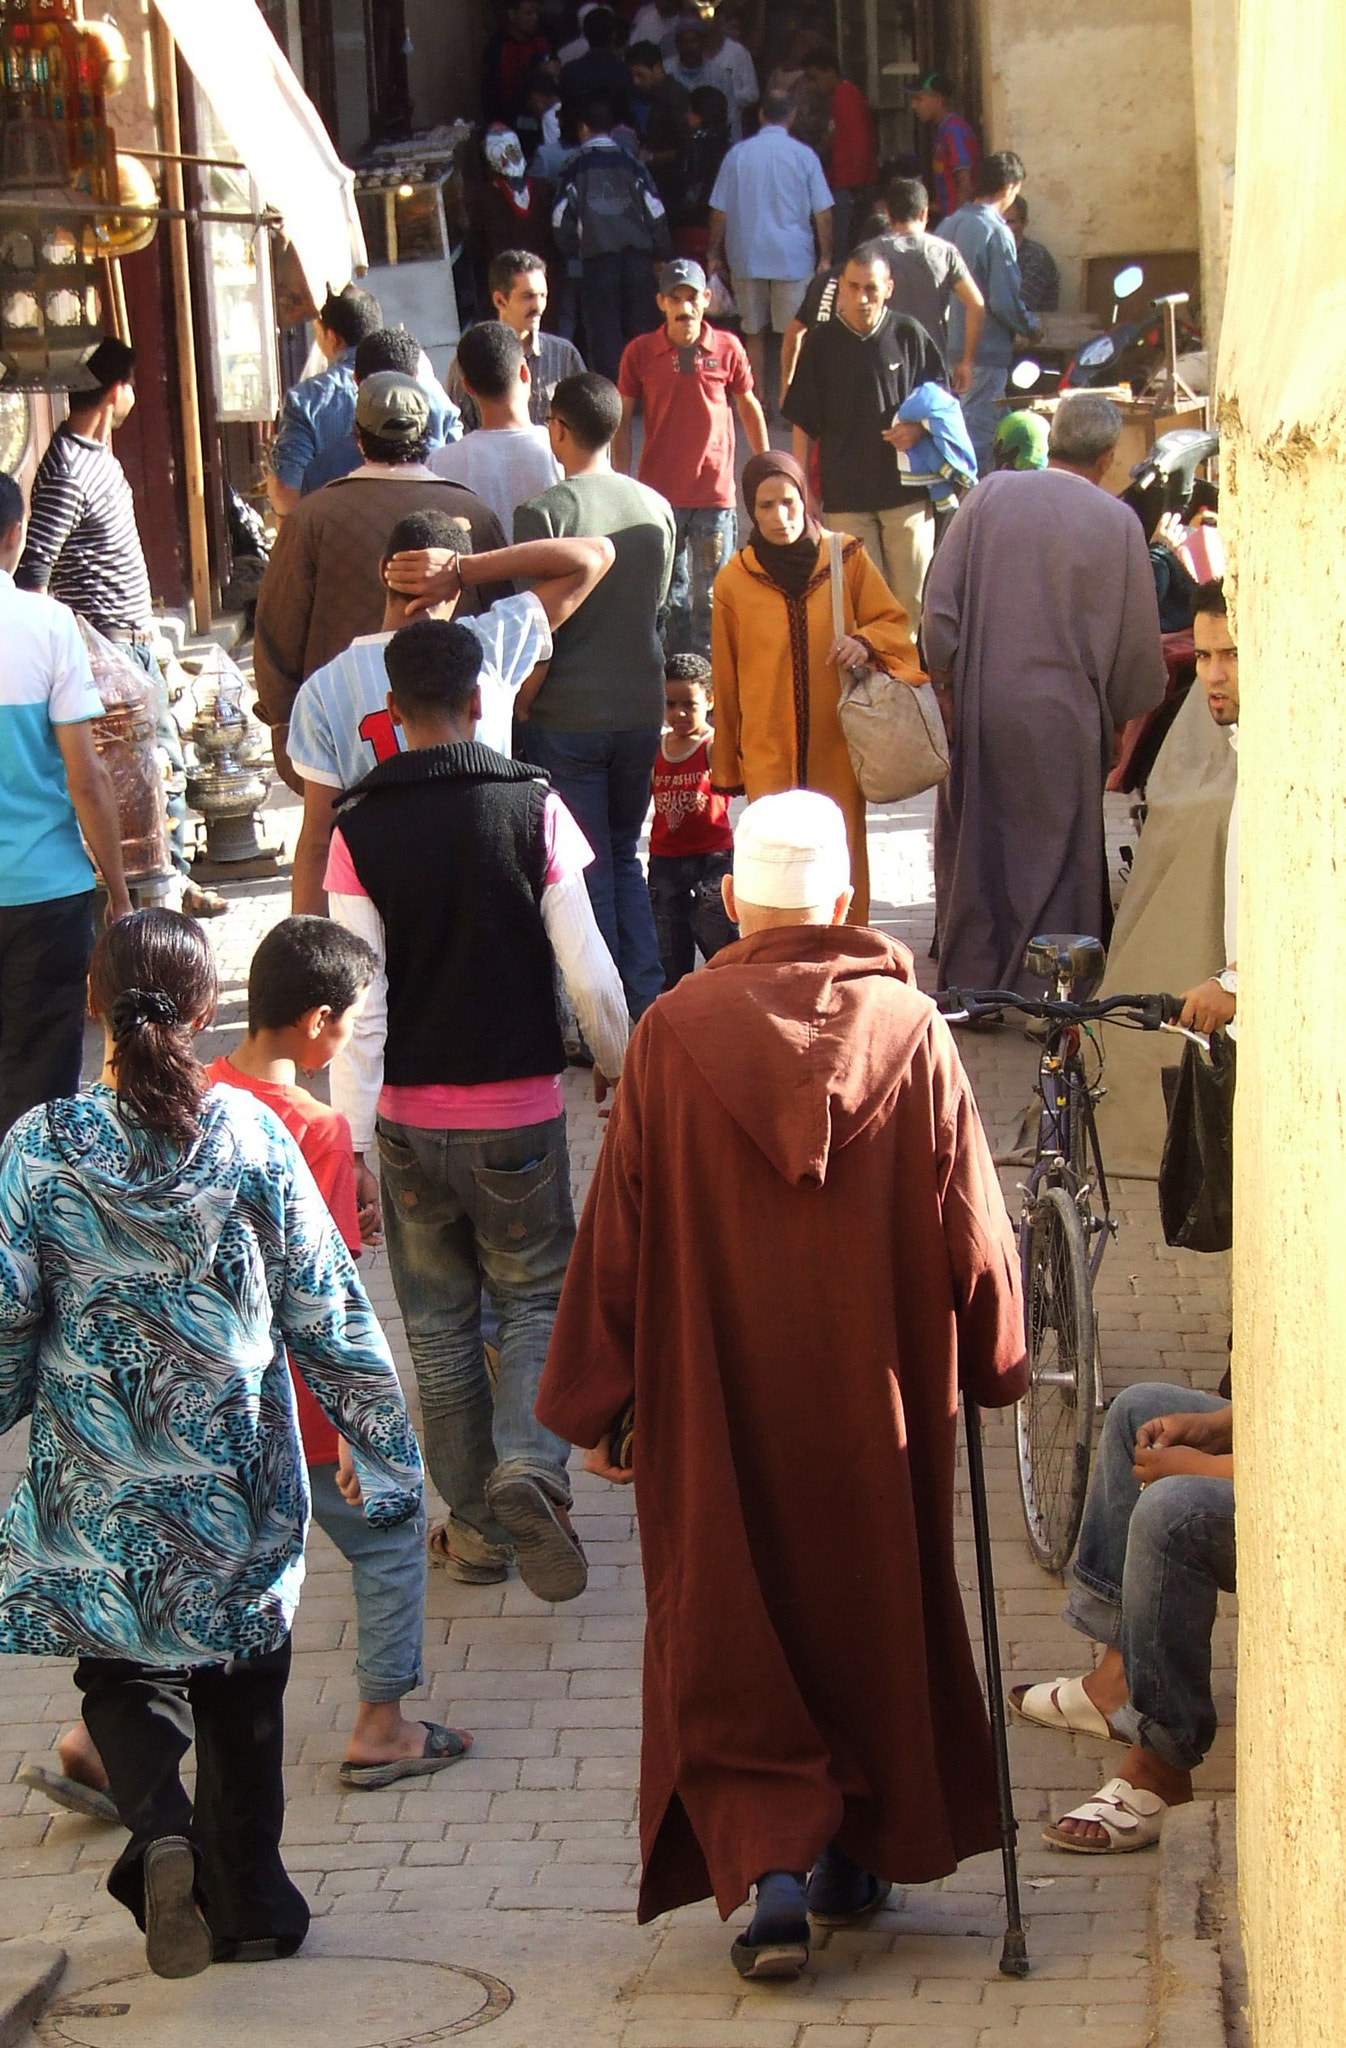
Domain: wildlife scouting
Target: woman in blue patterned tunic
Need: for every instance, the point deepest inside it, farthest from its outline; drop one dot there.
(161, 1243)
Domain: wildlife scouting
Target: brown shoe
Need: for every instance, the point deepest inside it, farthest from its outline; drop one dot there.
(467, 1556)
(550, 1555)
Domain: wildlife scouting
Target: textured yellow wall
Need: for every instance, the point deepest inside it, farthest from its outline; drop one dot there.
(1283, 373)
(1098, 102)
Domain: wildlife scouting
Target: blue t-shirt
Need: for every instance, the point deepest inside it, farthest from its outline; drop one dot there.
(45, 681)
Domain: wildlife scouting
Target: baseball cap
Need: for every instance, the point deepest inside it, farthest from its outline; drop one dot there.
(936, 81)
(392, 406)
(682, 274)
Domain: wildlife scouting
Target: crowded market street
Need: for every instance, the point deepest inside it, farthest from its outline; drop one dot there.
(510, 1881)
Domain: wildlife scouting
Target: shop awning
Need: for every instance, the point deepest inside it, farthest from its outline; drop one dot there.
(275, 128)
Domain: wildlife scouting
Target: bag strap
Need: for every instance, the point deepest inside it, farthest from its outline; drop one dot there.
(838, 589)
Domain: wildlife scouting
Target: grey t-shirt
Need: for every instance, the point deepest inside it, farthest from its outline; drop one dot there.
(926, 273)
(607, 667)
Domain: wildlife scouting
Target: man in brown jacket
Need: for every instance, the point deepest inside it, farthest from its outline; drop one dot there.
(794, 1253)
(322, 585)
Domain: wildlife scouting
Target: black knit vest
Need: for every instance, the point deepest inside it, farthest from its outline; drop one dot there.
(448, 843)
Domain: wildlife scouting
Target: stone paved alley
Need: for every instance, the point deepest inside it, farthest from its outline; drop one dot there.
(502, 1893)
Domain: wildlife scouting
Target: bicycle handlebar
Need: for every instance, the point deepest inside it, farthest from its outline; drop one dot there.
(1149, 1012)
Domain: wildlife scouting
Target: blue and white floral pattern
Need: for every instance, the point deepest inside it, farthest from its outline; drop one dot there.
(146, 1300)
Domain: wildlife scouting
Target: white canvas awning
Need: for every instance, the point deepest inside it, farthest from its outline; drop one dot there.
(274, 126)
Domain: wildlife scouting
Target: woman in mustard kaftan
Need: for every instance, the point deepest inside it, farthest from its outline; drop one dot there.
(777, 684)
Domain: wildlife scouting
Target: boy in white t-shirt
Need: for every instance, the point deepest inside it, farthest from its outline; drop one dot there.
(507, 460)
(340, 726)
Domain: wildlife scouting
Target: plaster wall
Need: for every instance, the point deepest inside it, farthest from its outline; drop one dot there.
(1099, 104)
(1283, 380)
(1215, 82)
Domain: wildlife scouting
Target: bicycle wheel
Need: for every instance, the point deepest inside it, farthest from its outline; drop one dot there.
(1055, 1418)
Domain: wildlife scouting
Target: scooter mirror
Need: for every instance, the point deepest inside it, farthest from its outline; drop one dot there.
(1025, 375)
(1128, 281)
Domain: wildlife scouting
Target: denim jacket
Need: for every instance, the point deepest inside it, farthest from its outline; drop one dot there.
(315, 440)
(147, 1296)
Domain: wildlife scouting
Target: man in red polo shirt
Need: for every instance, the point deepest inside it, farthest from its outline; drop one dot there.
(682, 378)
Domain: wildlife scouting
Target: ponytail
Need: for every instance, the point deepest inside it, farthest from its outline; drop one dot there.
(152, 984)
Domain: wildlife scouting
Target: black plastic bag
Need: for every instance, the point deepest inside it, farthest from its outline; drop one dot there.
(1196, 1174)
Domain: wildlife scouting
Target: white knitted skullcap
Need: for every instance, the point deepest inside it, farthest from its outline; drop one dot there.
(790, 852)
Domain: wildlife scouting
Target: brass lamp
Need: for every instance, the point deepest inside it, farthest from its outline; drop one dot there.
(49, 306)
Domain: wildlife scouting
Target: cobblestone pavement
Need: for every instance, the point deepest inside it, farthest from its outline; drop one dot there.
(520, 1864)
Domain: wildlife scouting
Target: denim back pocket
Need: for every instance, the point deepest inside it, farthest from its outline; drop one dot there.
(517, 1206)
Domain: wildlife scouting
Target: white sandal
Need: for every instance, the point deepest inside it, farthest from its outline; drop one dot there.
(1061, 1703)
(1130, 1818)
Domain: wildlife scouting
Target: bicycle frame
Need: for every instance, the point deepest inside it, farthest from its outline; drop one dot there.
(1068, 1153)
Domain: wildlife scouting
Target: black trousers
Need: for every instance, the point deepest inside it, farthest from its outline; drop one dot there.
(143, 1720)
(44, 971)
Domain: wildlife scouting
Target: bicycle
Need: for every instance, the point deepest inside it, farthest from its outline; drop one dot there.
(1065, 1225)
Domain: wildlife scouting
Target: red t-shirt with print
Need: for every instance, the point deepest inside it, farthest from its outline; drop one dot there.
(689, 816)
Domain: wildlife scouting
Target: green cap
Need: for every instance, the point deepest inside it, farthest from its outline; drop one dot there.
(392, 406)
(1024, 436)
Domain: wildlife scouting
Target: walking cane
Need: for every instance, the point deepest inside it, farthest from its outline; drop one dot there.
(1014, 1954)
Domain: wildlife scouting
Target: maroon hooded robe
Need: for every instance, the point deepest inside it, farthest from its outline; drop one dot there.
(794, 1250)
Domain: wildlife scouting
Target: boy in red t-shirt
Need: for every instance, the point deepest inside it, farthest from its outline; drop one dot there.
(691, 844)
(307, 982)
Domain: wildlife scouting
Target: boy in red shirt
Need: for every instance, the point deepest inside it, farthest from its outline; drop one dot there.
(691, 844)
(305, 988)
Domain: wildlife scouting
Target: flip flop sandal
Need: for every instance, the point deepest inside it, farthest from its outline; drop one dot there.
(88, 1800)
(443, 1746)
(468, 1571)
(766, 1960)
(1063, 1704)
(177, 1939)
(549, 1554)
(1130, 1818)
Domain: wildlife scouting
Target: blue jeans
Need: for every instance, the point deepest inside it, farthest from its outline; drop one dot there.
(1148, 1574)
(618, 303)
(689, 909)
(982, 414)
(705, 538)
(463, 1209)
(388, 1574)
(604, 779)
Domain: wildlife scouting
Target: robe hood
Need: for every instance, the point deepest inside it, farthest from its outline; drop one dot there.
(803, 1033)
(150, 1188)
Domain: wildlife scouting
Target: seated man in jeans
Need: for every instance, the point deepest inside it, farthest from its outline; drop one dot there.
(465, 874)
(1156, 1551)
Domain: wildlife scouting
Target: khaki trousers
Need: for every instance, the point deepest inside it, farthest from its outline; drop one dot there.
(900, 542)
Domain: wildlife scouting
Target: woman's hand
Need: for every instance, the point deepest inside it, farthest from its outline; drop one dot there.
(599, 1462)
(847, 652)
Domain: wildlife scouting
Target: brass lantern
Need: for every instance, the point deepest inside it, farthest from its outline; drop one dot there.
(50, 316)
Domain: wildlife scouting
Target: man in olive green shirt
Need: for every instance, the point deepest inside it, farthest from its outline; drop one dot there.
(596, 722)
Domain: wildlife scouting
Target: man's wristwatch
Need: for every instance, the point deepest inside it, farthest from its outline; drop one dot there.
(1228, 979)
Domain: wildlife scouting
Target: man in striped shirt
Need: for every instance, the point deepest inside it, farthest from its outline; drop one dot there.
(84, 549)
(83, 543)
